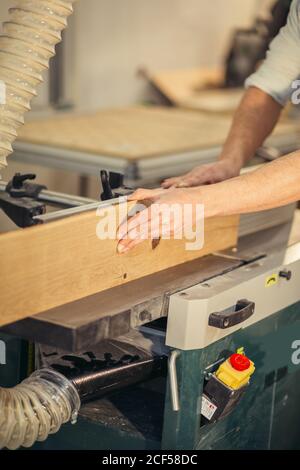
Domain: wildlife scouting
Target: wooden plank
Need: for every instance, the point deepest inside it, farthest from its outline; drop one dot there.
(80, 325)
(179, 84)
(134, 134)
(200, 89)
(214, 101)
(47, 266)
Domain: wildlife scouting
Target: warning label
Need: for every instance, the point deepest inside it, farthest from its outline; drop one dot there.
(208, 409)
(271, 280)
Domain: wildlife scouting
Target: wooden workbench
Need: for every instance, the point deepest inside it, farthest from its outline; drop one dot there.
(134, 134)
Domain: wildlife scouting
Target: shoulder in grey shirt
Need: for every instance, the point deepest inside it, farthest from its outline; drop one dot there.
(282, 65)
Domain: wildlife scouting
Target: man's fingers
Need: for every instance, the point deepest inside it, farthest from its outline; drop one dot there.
(133, 223)
(183, 182)
(192, 179)
(146, 223)
(139, 229)
(139, 194)
(168, 183)
(136, 236)
(142, 194)
(132, 238)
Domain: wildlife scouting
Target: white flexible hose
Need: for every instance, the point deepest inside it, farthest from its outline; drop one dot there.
(37, 407)
(26, 46)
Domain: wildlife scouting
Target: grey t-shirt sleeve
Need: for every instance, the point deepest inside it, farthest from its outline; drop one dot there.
(282, 65)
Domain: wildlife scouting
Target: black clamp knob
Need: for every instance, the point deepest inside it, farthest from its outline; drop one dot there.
(18, 180)
(19, 188)
(286, 275)
(113, 186)
(20, 201)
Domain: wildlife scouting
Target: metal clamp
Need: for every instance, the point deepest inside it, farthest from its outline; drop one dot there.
(113, 186)
(173, 380)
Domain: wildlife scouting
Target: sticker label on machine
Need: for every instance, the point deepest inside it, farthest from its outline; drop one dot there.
(208, 409)
(271, 280)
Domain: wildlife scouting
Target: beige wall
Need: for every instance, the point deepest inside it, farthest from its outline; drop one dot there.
(115, 37)
(109, 40)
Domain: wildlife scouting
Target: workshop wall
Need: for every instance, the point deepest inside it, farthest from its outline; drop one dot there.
(109, 40)
(113, 39)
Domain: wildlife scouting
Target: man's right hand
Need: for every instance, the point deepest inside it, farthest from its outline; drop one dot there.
(205, 174)
(254, 120)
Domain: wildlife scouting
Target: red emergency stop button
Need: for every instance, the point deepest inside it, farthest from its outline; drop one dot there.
(240, 362)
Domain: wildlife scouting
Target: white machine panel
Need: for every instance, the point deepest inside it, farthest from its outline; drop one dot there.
(189, 310)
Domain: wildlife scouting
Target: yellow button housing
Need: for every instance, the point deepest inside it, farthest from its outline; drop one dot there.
(233, 378)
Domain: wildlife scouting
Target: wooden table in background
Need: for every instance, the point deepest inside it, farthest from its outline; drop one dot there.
(144, 143)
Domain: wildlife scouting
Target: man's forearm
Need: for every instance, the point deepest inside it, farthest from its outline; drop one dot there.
(253, 122)
(273, 185)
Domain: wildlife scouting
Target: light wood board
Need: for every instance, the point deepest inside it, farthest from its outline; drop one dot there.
(47, 266)
(133, 134)
(199, 89)
(79, 325)
(179, 84)
(214, 101)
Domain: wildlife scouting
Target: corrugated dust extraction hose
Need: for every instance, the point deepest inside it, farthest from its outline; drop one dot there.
(36, 408)
(26, 46)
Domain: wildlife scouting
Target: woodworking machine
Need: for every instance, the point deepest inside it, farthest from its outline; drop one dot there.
(205, 355)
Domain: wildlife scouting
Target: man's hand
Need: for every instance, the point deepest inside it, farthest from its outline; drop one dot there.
(254, 120)
(151, 223)
(273, 185)
(205, 174)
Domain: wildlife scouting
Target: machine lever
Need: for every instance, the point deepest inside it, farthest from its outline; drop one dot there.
(173, 380)
(19, 200)
(232, 316)
(107, 189)
(113, 187)
(19, 188)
